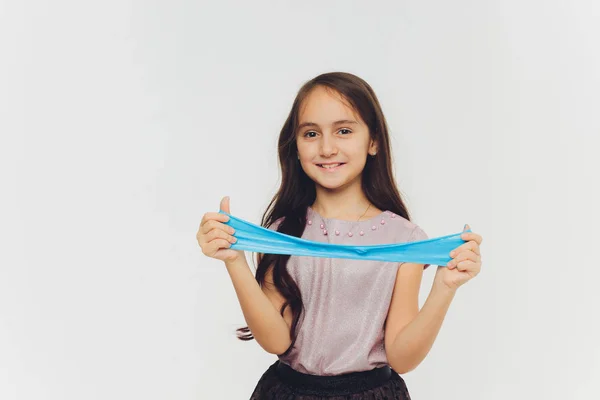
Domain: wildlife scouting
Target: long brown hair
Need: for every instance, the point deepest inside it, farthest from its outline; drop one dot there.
(297, 191)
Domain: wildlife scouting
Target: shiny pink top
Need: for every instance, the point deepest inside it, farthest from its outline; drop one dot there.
(345, 301)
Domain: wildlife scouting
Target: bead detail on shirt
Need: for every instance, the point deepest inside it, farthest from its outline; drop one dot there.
(347, 230)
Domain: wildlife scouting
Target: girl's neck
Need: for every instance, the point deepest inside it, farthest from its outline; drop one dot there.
(345, 205)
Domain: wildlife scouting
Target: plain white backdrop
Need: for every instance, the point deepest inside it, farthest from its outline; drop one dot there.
(123, 122)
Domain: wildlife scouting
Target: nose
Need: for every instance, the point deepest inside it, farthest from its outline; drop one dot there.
(328, 146)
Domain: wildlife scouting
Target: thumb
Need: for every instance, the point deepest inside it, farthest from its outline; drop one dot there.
(224, 206)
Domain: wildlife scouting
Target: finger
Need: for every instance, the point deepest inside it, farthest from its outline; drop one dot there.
(211, 248)
(464, 256)
(224, 206)
(210, 225)
(468, 266)
(473, 246)
(213, 216)
(219, 234)
(469, 246)
(467, 255)
(468, 236)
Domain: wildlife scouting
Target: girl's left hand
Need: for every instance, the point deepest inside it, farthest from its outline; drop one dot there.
(465, 263)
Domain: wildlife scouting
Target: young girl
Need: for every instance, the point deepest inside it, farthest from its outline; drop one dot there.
(341, 329)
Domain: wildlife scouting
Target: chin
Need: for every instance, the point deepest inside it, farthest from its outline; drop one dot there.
(334, 184)
(329, 186)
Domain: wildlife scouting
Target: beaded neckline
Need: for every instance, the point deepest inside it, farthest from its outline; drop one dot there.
(373, 223)
(370, 220)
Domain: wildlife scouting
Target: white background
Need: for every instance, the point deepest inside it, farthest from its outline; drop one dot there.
(123, 122)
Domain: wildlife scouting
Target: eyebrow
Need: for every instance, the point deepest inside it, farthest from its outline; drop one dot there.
(342, 121)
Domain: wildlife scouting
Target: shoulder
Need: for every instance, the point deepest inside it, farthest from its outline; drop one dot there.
(406, 231)
(276, 224)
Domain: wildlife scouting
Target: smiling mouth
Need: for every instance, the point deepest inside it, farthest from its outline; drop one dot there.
(330, 166)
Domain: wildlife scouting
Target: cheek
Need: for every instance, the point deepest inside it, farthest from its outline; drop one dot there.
(357, 148)
(304, 157)
(358, 154)
(304, 149)
(308, 153)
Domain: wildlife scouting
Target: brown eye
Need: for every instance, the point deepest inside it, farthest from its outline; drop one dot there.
(309, 133)
(347, 131)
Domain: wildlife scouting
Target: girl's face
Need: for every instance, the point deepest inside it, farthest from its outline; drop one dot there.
(333, 141)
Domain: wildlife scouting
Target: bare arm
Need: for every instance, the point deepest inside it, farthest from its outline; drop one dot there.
(260, 307)
(410, 333)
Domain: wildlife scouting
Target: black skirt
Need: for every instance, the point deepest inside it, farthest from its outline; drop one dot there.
(280, 382)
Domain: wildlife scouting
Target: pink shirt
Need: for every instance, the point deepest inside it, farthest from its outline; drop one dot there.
(345, 301)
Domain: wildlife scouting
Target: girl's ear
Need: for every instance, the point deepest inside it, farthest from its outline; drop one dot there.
(372, 148)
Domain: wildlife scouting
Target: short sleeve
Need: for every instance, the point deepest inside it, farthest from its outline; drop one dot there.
(416, 235)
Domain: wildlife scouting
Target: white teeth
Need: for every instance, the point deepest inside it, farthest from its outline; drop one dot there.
(329, 166)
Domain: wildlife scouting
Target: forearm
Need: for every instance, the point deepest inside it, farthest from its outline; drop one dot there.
(264, 321)
(414, 341)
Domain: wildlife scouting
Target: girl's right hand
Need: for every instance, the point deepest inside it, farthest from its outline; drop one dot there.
(215, 238)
